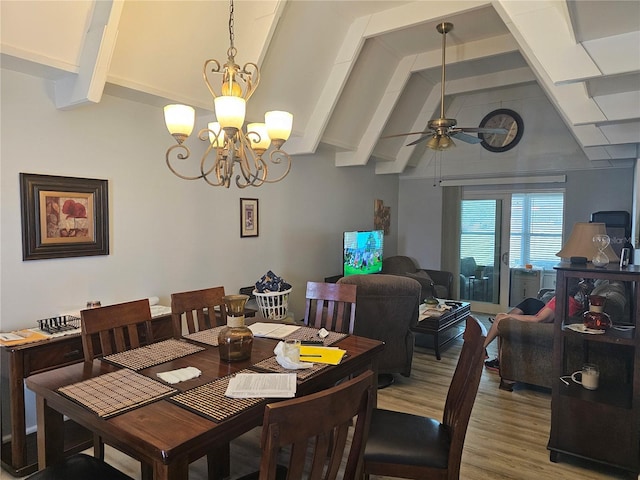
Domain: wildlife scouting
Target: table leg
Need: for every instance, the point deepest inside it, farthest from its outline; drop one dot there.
(436, 344)
(176, 470)
(50, 434)
(218, 463)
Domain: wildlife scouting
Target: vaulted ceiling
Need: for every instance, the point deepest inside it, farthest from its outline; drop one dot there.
(350, 71)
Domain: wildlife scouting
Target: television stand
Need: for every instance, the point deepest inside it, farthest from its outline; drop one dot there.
(333, 279)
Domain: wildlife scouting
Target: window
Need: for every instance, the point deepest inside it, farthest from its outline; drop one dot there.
(536, 229)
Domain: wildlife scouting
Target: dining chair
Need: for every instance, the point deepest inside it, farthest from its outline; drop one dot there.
(201, 310)
(315, 429)
(115, 328)
(411, 446)
(331, 306)
(80, 467)
(198, 307)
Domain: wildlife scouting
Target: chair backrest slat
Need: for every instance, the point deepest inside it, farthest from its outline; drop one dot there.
(202, 309)
(115, 328)
(331, 306)
(320, 422)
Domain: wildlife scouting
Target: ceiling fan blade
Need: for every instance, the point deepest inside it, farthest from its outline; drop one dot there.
(405, 134)
(502, 131)
(421, 139)
(459, 135)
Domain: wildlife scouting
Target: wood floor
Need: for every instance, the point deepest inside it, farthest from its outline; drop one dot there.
(507, 435)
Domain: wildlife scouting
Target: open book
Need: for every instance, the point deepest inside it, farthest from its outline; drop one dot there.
(267, 385)
(272, 330)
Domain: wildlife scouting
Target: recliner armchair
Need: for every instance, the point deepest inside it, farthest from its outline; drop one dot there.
(386, 309)
(434, 283)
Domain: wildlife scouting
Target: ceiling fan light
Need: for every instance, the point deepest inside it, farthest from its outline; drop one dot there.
(433, 143)
(445, 142)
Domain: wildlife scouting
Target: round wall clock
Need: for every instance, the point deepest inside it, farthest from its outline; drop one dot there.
(501, 118)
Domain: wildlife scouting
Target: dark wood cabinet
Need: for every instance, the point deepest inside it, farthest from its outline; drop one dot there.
(19, 451)
(602, 425)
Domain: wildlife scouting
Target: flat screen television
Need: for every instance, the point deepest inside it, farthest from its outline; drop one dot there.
(363, 252)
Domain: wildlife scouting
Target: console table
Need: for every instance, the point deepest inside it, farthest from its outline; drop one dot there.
(19, 455)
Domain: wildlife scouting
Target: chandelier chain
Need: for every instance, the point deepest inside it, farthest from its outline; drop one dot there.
(231, 25)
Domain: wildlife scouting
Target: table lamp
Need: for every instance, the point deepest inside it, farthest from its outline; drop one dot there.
(580, 247)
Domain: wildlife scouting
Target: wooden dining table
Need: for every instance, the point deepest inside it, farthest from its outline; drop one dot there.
(163, 434)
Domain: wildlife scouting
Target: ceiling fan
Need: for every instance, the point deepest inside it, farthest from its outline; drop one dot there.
(441, 130)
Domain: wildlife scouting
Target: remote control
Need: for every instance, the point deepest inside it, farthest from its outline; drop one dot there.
(311, 342)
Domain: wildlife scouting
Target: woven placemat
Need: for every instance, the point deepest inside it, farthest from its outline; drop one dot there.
(208, 336)
(208, 400)
(116, 392)
(271, 365)
(153, 354)
(309, 333)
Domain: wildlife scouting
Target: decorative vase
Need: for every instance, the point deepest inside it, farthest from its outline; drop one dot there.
(601, 242)
(235, 340)
(595, 318)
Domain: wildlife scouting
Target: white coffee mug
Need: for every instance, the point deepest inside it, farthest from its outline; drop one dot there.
(292, 350)
(589, 376)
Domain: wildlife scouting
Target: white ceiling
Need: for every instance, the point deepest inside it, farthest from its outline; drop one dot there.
(350, 71)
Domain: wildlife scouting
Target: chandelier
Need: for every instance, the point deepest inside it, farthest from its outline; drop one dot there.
(227, 144)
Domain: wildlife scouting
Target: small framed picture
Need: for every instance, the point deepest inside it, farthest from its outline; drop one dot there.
(248, 217)
(63, 216)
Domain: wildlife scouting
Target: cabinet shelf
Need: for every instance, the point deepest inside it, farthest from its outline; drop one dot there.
(609, 393)
(602, 425)
(611, 336)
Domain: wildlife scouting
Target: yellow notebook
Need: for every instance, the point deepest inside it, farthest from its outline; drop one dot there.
(332, 356)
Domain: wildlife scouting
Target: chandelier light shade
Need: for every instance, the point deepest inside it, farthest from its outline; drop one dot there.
(580, 242)
(228, 145)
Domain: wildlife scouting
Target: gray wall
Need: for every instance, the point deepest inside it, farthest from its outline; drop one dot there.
(166, 234)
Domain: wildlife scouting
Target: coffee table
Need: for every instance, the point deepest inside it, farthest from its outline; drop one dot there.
(444, 328)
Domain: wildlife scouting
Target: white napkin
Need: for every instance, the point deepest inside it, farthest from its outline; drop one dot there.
(179, 375)
(286, 362)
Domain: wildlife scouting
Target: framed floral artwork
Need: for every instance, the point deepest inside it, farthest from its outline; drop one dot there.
(249, 217)
(63, 216)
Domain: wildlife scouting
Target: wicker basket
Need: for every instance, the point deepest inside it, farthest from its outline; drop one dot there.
(273, 305)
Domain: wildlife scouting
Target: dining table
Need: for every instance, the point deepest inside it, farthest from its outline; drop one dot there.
(167, 426)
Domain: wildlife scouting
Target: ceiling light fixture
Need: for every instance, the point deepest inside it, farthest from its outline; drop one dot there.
(225, 137)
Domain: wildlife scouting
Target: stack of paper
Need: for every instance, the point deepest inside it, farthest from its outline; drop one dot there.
(272, 330)
(267, 385)
(329, 355)
(18, 337)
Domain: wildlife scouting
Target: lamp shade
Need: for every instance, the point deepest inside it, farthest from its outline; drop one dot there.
(179, 119)
(230, 111)
(279, 124)
(580, 242)
(258, 136)
(217, 137)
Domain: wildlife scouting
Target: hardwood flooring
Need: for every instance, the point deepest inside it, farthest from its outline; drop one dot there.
(506, 439)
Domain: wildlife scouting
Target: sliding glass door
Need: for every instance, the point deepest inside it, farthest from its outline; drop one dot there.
(508, 243)
(484, 251)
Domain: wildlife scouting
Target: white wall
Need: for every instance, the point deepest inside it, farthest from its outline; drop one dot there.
(166, 234)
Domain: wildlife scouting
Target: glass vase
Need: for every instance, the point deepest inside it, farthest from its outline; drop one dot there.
(235, 340)
(595, 318)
